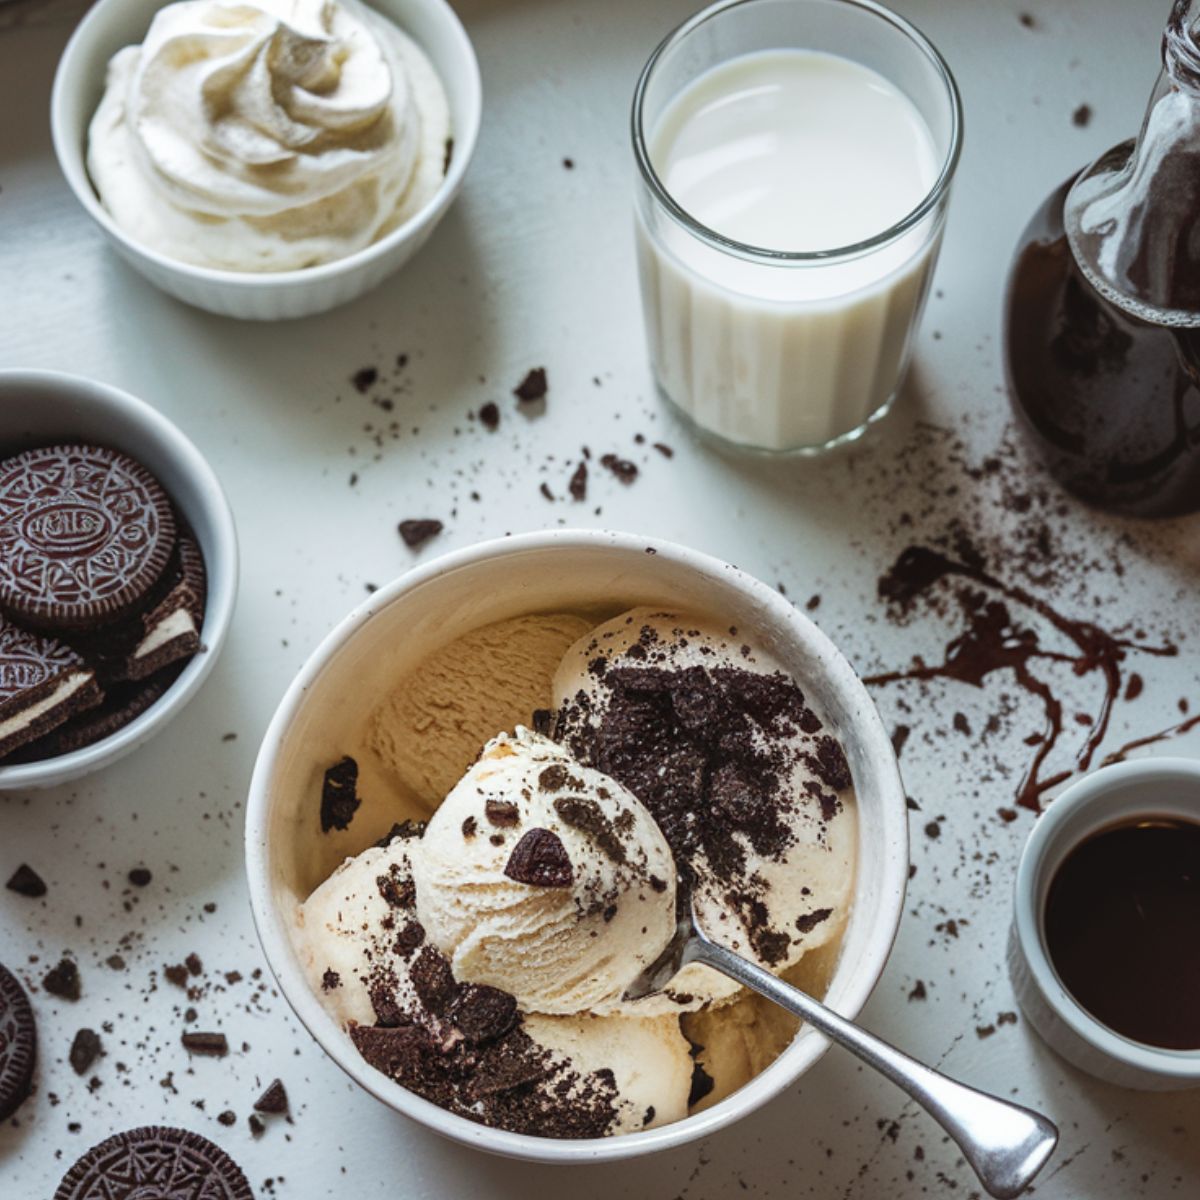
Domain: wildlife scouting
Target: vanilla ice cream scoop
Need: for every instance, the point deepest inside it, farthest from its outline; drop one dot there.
(650, 1060)
(752, 791)
(545, 878)
(347, 930)
(268, 135)
(365, 952)
(430, 728)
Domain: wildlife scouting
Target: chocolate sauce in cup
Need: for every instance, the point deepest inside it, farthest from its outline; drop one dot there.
(1122, 925)
(1103, 953)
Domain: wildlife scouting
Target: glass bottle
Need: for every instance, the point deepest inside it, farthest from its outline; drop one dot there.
(1102, 314)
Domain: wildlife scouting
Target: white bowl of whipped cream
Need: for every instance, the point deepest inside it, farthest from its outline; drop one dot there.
(266, 159)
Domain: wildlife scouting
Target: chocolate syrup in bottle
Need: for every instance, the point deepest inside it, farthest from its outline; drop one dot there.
(1102, 315)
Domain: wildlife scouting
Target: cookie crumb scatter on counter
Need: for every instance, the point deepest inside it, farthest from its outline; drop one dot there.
(622, 468)
(25, 881)
(197, 1042)
(416, 531)
(85, 1049)
(63, 980)
(364, 379)
(533, 387)
(578, 484)
(274, 1100)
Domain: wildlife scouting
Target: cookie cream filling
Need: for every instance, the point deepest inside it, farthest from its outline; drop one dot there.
(61, 693)
(180, 623)
(268, 136)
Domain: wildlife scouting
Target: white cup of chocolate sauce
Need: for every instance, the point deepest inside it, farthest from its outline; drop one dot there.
(1103, 952)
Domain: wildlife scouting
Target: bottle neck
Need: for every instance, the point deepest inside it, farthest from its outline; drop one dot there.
(1181, 46)
(1133, 217)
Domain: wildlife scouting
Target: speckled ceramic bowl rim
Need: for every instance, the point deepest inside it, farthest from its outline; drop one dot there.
(72, 163)
(795, 1060)
(221, 564)
(1044, 853)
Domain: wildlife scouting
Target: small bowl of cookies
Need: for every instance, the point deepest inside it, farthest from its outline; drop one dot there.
(118, 572)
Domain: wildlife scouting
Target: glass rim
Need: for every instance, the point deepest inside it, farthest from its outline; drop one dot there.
(761, 253)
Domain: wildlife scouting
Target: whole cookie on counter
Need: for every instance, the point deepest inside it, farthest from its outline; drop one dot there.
(42, 684)
(85, 532)
(18, 1044)
(155, 1163)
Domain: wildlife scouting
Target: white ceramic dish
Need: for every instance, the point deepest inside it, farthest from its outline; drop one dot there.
(568, 569)
(39, 407)
(1160, 787)
(79, 83)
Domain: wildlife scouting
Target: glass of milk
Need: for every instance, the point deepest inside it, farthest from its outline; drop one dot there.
(795, 163)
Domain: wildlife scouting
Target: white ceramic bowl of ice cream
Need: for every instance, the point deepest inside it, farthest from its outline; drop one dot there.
(244, 290)
(334, 694)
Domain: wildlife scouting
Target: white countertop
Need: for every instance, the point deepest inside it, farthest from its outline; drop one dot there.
(534, 267)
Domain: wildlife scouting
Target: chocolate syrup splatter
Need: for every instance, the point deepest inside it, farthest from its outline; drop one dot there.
(994, 640)
(1151, 739)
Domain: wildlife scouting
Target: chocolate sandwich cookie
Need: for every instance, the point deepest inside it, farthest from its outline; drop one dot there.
(164, 629)
(155, 1163)
(122, 703)
(18, 1044)
(84, 534)
(42, 683)
(171, 629)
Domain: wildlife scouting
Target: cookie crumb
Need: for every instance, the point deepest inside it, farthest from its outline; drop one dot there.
(214, 1044)
(274, 1100)
(533, 387)
(416, 531)
(63, 981)
(25, 881)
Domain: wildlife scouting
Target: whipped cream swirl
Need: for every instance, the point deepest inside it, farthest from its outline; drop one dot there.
(268, 136)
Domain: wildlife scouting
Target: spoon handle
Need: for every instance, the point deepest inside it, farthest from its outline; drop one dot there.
(1005, 1144)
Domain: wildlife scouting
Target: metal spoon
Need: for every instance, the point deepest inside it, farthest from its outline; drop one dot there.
(1005, 1144)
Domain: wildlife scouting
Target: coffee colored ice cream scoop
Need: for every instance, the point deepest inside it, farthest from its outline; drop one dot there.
(1005, 1144)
